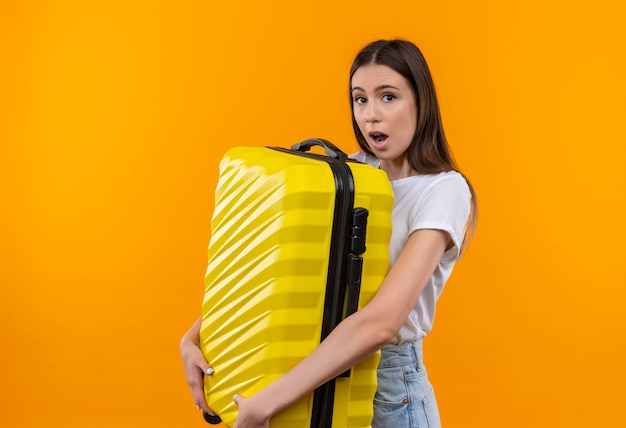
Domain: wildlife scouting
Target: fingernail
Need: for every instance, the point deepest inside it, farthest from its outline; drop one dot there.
(197, 407)
(209, 371)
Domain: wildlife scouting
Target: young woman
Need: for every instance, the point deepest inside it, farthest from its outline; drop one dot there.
(396, 120)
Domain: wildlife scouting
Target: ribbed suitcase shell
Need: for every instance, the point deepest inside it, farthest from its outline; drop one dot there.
(267, 272)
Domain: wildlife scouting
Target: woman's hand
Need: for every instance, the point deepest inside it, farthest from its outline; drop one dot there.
(196, 366)
(248, 416)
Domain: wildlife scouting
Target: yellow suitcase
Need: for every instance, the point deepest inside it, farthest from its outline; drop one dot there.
(288, 259)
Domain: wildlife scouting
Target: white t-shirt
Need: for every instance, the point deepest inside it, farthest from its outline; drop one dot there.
(432, 201)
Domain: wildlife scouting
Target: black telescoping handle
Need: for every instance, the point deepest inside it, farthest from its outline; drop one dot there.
(354, 263)
(330, 149)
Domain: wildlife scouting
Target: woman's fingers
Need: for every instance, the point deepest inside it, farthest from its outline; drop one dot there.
(197, 388)
(248, 417)
(196, 367)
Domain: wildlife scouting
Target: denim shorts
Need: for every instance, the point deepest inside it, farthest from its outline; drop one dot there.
(404, 397)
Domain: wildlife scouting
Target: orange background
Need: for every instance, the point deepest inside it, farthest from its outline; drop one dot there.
(115, 114)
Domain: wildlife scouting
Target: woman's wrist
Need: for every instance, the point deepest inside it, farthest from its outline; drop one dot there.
(192, 336)
(189, 340)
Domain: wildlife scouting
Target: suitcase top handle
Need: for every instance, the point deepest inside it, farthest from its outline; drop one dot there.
(330, 149)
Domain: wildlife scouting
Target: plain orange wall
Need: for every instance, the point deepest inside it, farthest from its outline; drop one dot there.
(115, 114)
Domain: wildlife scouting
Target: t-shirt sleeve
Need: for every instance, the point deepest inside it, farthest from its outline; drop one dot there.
(444, 205)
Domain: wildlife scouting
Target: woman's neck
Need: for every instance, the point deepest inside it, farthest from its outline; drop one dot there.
(397, 168)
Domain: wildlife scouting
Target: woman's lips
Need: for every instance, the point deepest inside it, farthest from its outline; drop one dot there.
(378, 138)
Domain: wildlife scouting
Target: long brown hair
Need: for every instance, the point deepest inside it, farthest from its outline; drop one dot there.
(429, 152)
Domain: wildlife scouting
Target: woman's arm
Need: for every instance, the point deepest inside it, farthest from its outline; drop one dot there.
(357, 336)
(195, 365)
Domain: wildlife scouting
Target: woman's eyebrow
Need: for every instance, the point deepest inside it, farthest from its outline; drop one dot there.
(378, 88)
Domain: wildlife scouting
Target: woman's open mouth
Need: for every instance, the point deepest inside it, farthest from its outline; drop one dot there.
(378, 137)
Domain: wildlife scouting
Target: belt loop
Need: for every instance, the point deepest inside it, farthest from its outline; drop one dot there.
(417, 350)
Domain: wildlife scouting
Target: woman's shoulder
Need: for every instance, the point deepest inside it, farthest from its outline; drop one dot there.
(449, 181)
(452, 177)
(447, 178)
(447, 185)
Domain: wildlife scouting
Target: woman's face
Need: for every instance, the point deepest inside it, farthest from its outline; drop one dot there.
(385, 110)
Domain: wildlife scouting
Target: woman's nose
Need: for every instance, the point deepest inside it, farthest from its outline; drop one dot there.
(371, 113)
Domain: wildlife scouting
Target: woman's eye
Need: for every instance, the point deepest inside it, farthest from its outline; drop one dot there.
(359, 100)
(389, 97)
